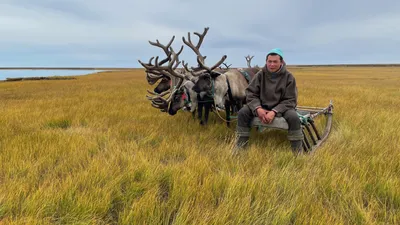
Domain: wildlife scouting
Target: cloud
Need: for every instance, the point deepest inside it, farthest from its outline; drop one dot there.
(116, 33)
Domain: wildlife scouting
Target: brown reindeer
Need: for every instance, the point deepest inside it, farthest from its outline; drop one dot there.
(180, 90)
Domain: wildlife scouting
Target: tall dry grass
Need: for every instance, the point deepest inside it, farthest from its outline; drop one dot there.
(93, 151)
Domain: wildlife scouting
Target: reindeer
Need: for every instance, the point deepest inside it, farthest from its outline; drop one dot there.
(207, 99)
(248, 59)
(228, 87)
(185, 97)
(180, 87)
(158, 71)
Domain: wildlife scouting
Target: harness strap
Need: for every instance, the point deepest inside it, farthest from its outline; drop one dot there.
(245, 74)
(187, 94)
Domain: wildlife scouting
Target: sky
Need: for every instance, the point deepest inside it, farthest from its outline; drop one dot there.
(100, 33)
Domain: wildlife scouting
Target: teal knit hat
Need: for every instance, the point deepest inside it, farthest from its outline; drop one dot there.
(276, 51)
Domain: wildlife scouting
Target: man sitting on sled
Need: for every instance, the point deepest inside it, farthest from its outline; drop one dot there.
(272, 93)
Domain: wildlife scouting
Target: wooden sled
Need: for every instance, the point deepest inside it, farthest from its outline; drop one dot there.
(312, 137)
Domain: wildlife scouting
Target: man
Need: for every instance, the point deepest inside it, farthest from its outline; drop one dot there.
(272, 93)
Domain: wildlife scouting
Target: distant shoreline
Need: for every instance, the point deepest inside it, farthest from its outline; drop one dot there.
(39, 78)
(348, 65)
(136, 68)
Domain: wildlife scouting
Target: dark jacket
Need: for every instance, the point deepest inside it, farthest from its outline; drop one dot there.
(273, 91)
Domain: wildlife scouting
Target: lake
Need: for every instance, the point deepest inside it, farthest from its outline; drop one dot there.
(43, 73)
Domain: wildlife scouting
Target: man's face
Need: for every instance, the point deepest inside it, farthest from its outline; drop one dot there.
(273, 63)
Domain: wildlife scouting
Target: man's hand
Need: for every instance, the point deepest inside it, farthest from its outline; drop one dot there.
(265, 116)
(270, 116)
(261, 113)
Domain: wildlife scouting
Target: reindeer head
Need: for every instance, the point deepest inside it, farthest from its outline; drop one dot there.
(183, 96)
(164, 85)
(205, 82)
(157, 70)
(179, 100)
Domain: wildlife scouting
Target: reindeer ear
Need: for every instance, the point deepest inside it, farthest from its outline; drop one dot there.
(214, 74)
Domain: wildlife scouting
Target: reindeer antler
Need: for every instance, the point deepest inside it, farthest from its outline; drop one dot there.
(196, 49)
(153, 76)
(158, 70)
(248, 59)
(227, 66)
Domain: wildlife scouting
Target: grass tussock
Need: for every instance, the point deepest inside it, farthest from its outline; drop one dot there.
(92, 150)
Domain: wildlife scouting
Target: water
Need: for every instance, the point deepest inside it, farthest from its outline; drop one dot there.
(43, 73)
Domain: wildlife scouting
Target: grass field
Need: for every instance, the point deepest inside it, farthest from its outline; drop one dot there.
(93, 151)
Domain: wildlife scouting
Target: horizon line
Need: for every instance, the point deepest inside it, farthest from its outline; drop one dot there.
(134, 68)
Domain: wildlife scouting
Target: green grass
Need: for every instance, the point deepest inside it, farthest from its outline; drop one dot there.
(93, 151)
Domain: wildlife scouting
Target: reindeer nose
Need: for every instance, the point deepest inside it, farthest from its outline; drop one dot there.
(220, 107)
(171, 112)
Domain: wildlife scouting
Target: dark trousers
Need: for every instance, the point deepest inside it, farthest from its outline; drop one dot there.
(246, 116)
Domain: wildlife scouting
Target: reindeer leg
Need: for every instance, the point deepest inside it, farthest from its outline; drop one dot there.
(200, 112)
(227, 112)
(207, 111)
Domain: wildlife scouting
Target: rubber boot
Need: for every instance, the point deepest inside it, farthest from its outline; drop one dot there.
(242, 142)
(242, 137)
(297, 146)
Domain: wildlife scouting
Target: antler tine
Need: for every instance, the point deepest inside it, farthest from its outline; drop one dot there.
(161, 102)
(157, 95)
(180, 51)
(177, 57)
(219, 62)
(150, 67)
(213, 67)
(162, 61)
(196, 48)
(154, 74)
(151, 59)
(157, 65)
(165, 60)
(152, 79)
(163, 47)
(226, 65)
(201, 37)
(185, 65)
(158, 101)
(170, 69)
